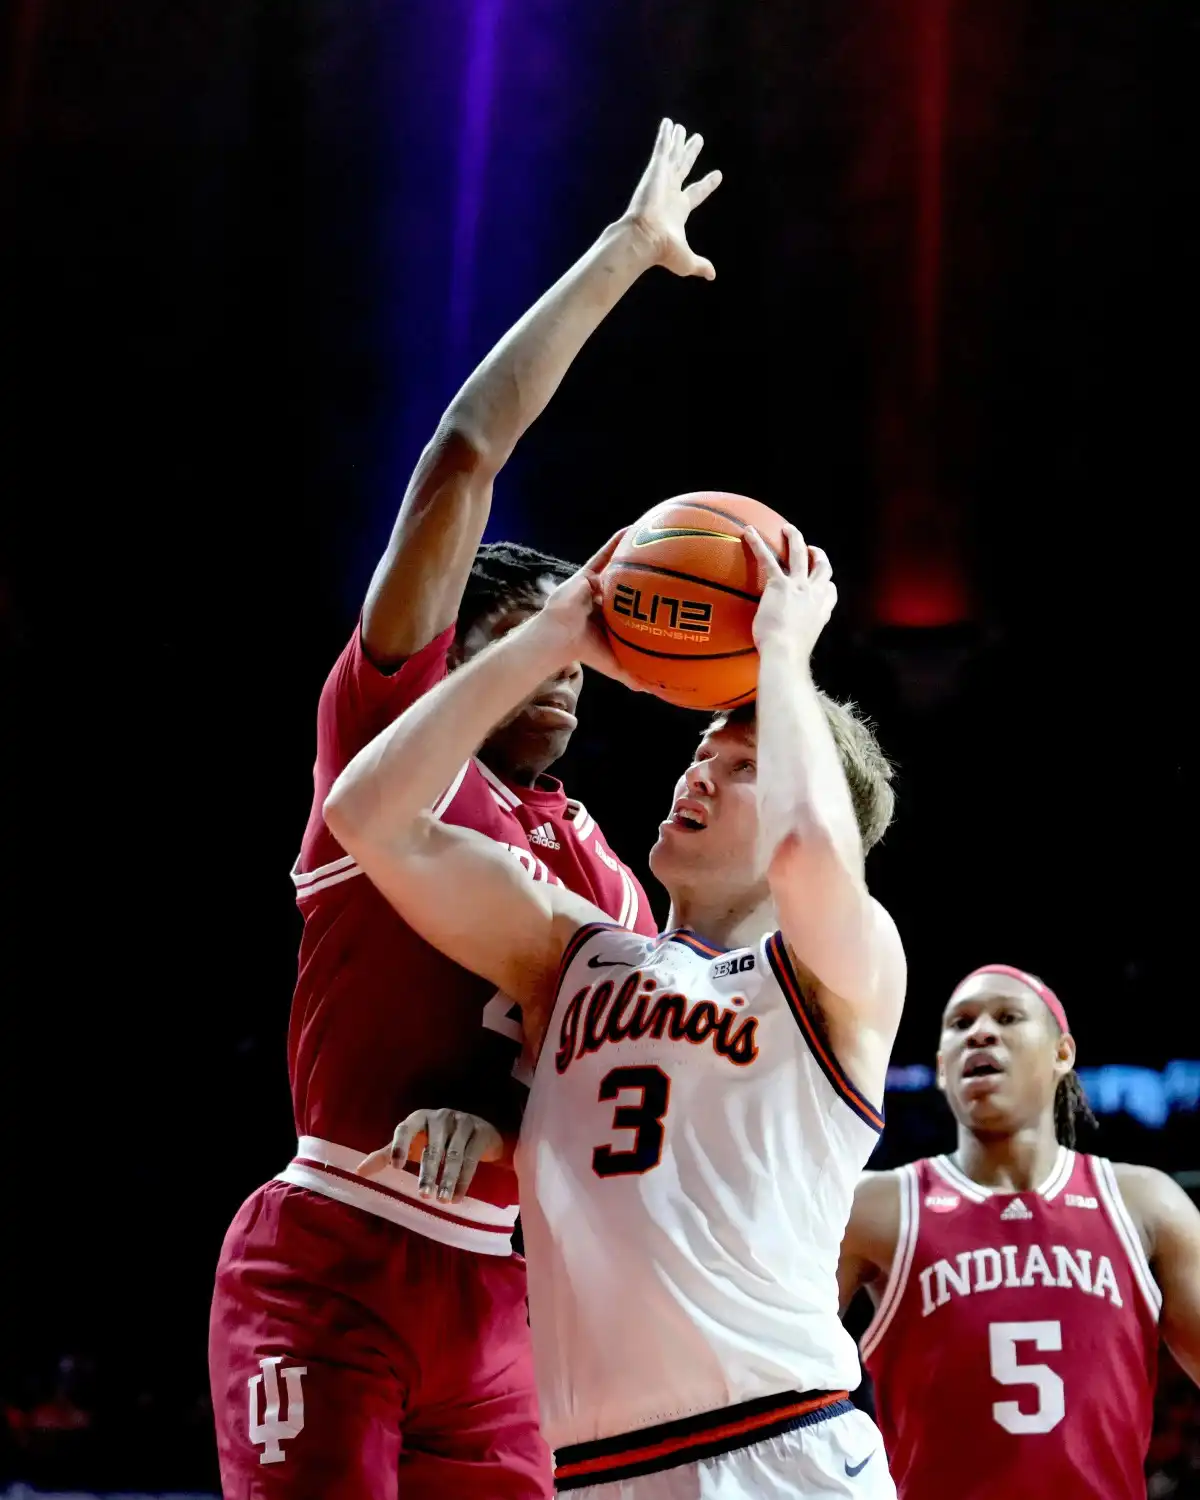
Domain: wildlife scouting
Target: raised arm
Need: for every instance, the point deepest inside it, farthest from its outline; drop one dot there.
(462, 892)
(812, 850)
(417, 587)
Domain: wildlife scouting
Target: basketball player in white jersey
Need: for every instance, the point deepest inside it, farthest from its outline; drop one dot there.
(703, 1104)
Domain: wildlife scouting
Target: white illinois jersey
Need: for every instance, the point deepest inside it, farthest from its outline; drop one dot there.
(687, 1163)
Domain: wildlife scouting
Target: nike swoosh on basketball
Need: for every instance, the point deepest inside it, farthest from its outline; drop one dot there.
(858, 1468)
(596, 962)
(648, 534)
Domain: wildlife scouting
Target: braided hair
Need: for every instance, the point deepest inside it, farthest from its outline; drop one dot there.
(505, 573)
(1071, 1109)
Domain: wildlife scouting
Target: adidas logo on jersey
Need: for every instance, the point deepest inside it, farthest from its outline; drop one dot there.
(1077, 1200)
(544, 834)
(1016, 1210)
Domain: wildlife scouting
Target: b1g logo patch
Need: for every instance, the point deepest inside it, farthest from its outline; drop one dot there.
(662, 614)
(740, 963)
(942, 1203)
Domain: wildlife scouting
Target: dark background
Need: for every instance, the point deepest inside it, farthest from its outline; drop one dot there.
(246, 254)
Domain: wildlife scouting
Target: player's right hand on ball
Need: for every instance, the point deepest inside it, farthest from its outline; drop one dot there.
(449, 1143)
(573, 616)
(661, 202)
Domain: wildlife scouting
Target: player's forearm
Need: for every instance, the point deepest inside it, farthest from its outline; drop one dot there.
(513, 384)
(802, 791)
(396, 778)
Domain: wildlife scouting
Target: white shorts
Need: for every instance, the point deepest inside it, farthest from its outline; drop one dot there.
(842, 1457)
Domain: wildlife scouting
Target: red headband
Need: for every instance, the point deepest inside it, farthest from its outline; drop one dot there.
(1053, 1003)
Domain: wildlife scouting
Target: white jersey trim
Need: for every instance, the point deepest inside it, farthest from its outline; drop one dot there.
(503, 795)
(443, 802)
(1126, 1232)
(1058, 1177)
(629, 900)
(1058, 1180)
(308, 882)
(322, 1167)
(580, 819)
(908, 1181)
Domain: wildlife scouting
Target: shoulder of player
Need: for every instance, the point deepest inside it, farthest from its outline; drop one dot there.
(1150, 1196)
(585, 927)
(885, 972)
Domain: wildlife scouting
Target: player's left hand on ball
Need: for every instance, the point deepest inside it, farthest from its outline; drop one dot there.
(798, 595)
(454, 1145)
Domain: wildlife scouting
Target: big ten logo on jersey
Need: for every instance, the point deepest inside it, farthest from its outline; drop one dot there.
(603, 1015)
(663, 614)
(736, 963)
(1013, 1267)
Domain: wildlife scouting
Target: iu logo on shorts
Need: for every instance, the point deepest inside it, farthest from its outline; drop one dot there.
(272, 1431)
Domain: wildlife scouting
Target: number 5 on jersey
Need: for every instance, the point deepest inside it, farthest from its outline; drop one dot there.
(1003, 1339)
(643, 1116)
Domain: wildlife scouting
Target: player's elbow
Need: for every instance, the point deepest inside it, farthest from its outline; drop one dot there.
(809, 851)
(343, 811)
(353, 811)
(460, 449)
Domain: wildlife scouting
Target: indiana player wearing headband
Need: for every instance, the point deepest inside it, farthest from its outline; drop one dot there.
(705, 1100)
(364, 1340)
(1020, 1286)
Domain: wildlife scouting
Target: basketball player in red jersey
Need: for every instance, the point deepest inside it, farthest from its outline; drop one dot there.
(367, 1340)
(1020, 1287)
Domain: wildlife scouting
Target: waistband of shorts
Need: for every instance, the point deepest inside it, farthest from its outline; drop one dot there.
(685, 1441)
(327, 1168)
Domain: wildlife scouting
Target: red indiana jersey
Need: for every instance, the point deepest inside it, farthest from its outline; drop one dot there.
(1014, 1351)
(382, 1023)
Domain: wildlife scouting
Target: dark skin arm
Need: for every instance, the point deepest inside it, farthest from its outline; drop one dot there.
(418, 585)
(1169, 1225)
(869, 1243)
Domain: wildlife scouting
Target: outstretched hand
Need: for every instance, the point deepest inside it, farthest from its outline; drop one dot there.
(797, 595)
(661, 202)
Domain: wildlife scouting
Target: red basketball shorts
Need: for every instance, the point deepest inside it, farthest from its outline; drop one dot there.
(353, 1359)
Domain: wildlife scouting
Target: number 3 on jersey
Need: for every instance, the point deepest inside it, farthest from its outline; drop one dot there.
(1003, 1339)
(644, 1117)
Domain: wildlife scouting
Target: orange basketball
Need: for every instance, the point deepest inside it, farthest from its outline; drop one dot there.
(680, 595)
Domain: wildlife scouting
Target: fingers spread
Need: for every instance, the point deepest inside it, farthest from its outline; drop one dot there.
(699, 191)
(691, 150)
(795, 551)
(820, 569)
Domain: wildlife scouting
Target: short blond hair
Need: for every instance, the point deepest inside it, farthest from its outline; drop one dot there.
(867, 769)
